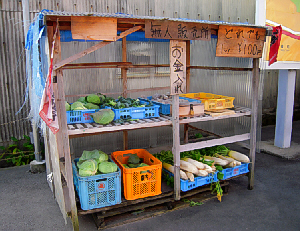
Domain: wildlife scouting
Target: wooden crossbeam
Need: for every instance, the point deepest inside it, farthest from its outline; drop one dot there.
(94, 48)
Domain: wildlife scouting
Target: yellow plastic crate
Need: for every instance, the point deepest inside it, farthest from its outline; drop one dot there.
(211, 101)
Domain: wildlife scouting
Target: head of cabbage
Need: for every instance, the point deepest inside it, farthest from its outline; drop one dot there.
(77, 106)
(92, 98)
(107, 167)
(68, 106)
(97, 155)
(87, 168)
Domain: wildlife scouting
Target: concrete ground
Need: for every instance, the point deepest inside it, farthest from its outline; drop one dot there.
(26, 202)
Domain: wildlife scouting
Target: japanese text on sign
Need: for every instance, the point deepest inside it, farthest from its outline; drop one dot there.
(177, 30)
(178, 66)
(234, 41)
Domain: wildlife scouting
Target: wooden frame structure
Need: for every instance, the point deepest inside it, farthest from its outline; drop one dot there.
(58, 145)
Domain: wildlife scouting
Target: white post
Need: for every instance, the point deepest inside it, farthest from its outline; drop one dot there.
(26, 20)
(285, 108)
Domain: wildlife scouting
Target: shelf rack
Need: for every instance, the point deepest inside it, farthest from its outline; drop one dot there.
(57, 146)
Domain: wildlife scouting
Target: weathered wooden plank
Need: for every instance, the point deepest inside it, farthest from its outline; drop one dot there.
(89, 125)
(97, 65)
(59, 194)
(94, 28)
(255, 86)
(237, 41)
(93, 48)
(71, 127)
(79, 126)
(210, 143)
(62, 139)
(177, 67)
(164, 29)
(176, 145)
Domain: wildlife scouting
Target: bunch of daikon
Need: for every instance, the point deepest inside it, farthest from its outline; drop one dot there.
(190, 167)
(232, 159)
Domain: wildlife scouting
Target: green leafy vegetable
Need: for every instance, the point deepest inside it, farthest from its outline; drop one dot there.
(107, 167)
(68, 106)
(88, 168)
(82, 100)
(104, 116)
(77, 106)
(91, 106)
(92, 98)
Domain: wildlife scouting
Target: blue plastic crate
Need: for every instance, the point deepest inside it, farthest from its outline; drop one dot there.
(97, 191)
(165, 109)
(80, 116)
(186, 185)
(235, 171)
(136, 112)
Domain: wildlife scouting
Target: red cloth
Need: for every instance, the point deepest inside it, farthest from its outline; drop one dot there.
(275, 44)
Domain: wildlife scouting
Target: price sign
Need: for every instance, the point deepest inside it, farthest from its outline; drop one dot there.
(177, 30)
(178, 67)
(236, 41)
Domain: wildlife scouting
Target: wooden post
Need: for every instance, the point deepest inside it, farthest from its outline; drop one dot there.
(255, 85)
(176, 145)
(62, 138)
(188, 71)
(124, 80)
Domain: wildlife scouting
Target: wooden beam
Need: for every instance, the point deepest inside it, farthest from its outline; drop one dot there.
(255, 85)
(128, 91)
(124, 82)
(62, 138)
(220, 68)
(96, 65)
(188, 71)
(94, 48)
(130, 65)
(210, 143)
(176, 145)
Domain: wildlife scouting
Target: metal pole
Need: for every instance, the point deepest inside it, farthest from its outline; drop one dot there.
(26, 20)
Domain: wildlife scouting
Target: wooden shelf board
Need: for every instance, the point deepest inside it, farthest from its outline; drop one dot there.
(79, 130)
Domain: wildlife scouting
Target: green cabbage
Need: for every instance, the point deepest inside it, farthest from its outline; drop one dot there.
(82, 100)
(91, 106)
(107, 167)
(133, 159)
(104, 116)
(97, 155)
(92, 98)
(67, 105)
(88, 168)
(77, 106)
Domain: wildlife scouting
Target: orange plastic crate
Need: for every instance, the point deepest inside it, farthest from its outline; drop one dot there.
(143, 181)
(211, 101)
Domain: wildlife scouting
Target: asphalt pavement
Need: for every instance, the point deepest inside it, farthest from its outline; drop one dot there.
(27, 203)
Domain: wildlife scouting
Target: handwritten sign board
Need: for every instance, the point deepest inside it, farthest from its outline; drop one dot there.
(94, 28)
(178, 67)
(177, 30)
(236, 41)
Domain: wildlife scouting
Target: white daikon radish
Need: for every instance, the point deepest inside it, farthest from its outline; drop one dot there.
(170, 168)
(190, 176)
(238, 163)
(188, 167)
(201, 173)
(198, 164)
(216, 160)
(239, 156)
(208, 168)
(229, 159)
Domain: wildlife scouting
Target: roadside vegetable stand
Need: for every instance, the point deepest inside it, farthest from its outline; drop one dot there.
(234, 40)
